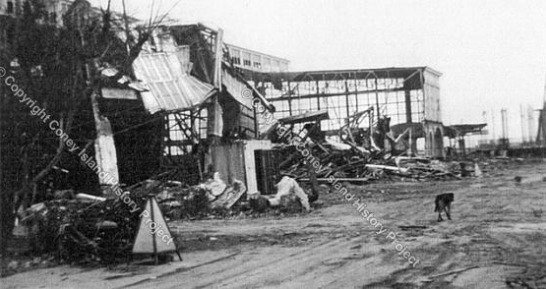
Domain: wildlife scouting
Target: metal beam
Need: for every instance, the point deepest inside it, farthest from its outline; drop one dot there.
(334, 94)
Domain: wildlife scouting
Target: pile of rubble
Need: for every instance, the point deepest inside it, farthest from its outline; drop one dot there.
(215, 198)
(346, 165)
(84, 228)
(80, 228)
(360, 154)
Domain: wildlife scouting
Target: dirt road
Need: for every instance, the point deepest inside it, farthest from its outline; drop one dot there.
(495, 240)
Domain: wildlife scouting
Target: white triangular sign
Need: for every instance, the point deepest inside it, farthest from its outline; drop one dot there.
(153, 234)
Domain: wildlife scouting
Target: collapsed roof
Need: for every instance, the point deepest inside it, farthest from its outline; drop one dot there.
(170, 86)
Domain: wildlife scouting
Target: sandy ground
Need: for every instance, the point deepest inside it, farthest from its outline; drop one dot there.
(495, 240)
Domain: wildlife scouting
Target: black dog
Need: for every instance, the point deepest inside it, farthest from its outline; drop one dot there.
(443, 203)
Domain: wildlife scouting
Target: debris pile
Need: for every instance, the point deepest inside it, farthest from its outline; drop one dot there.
(351, 166)
(90, 229)
(83, 230)
(215, 198)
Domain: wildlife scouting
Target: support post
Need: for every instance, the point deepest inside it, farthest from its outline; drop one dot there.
(289, 97)
(377, 99)
(356, 92)
(318, 97)
(407, 95)
(347, 98)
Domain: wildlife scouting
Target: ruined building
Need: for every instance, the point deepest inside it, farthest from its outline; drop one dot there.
(409, 97)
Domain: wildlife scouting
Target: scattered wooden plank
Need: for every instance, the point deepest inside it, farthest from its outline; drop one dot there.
(454, 271)
(412, 227)
(391, 168)
(338, 179)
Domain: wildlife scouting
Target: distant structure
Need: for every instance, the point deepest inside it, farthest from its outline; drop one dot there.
(256, 61)
(8, 7)
(408, 96)
(55, 9)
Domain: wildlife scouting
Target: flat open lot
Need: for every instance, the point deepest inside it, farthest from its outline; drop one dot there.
(495, 240)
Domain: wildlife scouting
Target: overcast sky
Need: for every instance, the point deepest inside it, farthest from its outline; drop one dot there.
(492, 53)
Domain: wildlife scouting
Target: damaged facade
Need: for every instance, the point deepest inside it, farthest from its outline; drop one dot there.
(408, 97)
(198, 101)
(187, 115)
(195, 106)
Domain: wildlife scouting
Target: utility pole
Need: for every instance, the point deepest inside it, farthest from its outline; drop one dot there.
(493, 126)
(541, 133)
(522, 121)
(531, 123)
(504, 120)
(483, 137)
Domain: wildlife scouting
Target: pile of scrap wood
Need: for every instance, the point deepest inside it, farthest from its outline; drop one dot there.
(367, 149)
(81, 228)
(362, 154)
(348, 165)
(209, 197)
(91, 229)
(84, 229)
(214, 198)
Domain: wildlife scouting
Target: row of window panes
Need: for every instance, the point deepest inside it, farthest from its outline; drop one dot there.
(255, 60)
(246, 62)
(10, 8)
(336, 86)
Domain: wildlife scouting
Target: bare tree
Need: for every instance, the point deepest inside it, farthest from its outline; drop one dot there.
(59, 68)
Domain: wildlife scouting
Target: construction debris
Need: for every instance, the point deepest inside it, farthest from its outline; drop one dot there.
(83, 230)
(288, 190)
(352, 167)
(91, 229)
(366, 154)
